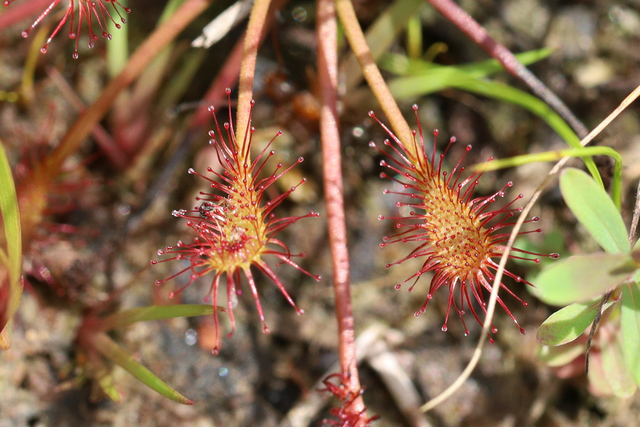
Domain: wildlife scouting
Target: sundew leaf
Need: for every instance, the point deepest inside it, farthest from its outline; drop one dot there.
(595, 210)
(156, 312)
(568, 323)
(630, 318)
(112, 351)
(615, 368)
(408, 87)
(583, 277)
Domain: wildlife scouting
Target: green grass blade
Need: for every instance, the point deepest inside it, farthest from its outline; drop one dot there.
(630, 318)
(410, 87)
(112, 351)
(10, 217)
(404, 66)
(550, 156)
(380, 36)
(12, 257)
(156, 312)
(593, 207)
(581, 278)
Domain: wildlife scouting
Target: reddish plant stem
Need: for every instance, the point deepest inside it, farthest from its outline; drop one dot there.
(162, 36)
(255, 31)
(332, 176)
(479, 35)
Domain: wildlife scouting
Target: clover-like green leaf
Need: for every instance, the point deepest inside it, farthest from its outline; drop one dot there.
(630, 318)
(615, 368)
(560, 356)
(568, 323)
(593, 207)
(597, 375)
(583, 277)
(112, 351)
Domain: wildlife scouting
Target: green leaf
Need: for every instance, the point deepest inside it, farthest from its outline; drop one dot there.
(410, 87)
(568, 323)
(613, 363)
(12, 258)
(120, 357)
(156, 312)
(598, 376)
(630, 318)
(105, 381)
(403, 65)
(581, 278)
(595, 210)
(560, 356)
(10, 217)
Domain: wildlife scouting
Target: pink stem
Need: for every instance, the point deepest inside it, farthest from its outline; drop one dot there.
(332, 171)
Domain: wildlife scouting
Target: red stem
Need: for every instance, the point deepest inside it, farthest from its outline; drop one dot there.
(332, 172)
(479, 35)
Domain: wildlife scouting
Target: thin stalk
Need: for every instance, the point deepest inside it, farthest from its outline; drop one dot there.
(479, 35)
(548, 156)
(372, 75)
(255, 31)
(162, 36)
(22, 11)
(332, 176)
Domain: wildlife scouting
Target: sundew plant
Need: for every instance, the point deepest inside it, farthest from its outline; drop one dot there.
(350, 199)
